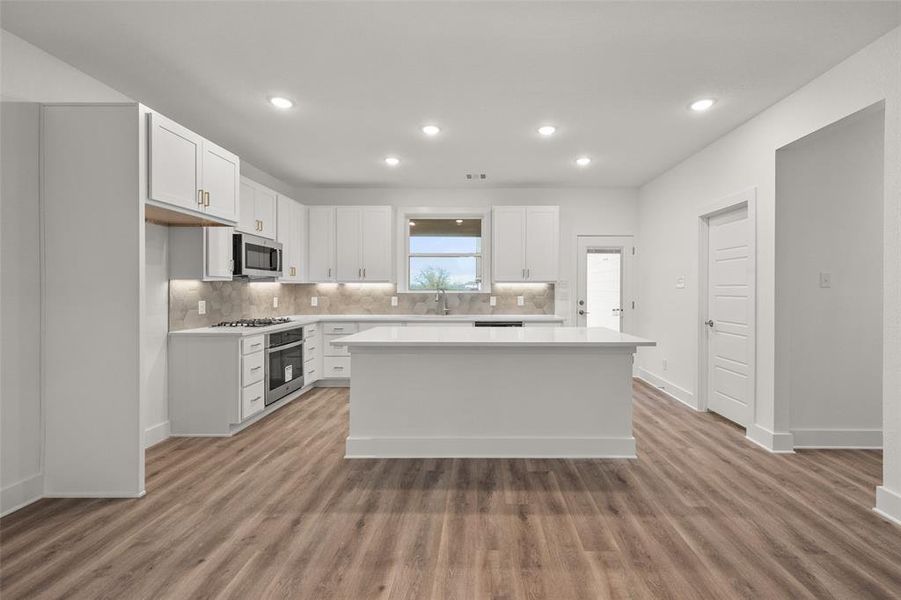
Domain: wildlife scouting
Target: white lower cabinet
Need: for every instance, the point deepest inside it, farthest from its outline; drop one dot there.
(336, 367)
(253, 399)
(336, 359)
(312, 354)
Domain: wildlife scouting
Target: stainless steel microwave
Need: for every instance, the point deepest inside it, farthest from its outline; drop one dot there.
(256, 257)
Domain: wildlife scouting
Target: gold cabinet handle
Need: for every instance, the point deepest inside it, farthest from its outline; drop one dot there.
(206, 198)
(200, 197)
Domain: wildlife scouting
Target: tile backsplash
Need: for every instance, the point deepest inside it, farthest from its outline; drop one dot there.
(231, 300)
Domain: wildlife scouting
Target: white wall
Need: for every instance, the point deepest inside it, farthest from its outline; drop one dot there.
(583, 211)
(20, 312)
(745, 158)
(155, 412)
(829, 340)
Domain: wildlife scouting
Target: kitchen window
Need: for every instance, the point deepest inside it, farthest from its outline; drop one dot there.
(444, 253)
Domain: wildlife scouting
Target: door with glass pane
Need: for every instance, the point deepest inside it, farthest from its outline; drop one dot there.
(604, 297)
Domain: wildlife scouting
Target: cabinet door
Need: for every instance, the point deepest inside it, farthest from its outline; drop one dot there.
(321, 243)
(287, 223)
(221, 180)
(174, 164)
(218, 242)
(247, 222)
(264, 201)
(376, 250)
(348, 243)
(542, 243)
(509, 243)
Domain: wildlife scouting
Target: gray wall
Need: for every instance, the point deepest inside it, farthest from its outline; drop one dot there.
(20, 306)
(829, 188)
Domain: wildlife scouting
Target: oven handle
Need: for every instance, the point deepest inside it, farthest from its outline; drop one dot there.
(283, 347)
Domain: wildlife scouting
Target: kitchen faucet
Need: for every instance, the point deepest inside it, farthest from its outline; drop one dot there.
(441, 295)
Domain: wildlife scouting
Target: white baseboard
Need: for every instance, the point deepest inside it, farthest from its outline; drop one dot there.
(98, 495)
(779, 443)
(21, 494)
(467, 447)
(670, 389)
(869, 439)
(156, 434)
(888, 504)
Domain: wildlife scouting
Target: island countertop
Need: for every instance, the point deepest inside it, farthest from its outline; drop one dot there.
(495, 337)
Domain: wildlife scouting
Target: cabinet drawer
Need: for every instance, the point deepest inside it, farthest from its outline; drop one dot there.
(312, 371)
(252, 343)
(339, 328)
(310, 330)
(312, 349)
(329, 349)
(336, 367)
(252, 400)
(252, 368)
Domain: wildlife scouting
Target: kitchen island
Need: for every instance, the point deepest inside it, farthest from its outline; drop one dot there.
(420, 392)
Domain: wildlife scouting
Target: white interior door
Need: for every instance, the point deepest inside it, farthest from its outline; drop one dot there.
(730, 312)
(604, 285)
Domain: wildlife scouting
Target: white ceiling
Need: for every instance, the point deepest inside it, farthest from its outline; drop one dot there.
(616, 78)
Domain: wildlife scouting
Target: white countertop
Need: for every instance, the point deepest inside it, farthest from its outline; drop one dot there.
(310, 319)
(492, 337)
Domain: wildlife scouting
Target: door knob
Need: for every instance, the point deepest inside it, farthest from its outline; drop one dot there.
(709, 323)
(583, 312)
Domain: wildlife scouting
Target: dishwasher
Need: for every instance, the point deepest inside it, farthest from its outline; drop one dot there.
(498, 324)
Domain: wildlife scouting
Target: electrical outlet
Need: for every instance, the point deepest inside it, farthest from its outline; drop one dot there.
(825, 280)
(664, 364)
(201, 307)
(393, 300)
(275, 302)
(314, 301)
(492, 301)
(520, 301)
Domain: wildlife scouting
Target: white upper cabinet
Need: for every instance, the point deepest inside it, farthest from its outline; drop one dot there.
(257, 209)
(221, 181)
(174, 164)
(201, 253)
(526, 243)
(321, 243)
(349, 236)
(542, 243)
(350, 243)
(508, 245)
(291, 229)
(188, 172)
(376, 246)
(218, 261)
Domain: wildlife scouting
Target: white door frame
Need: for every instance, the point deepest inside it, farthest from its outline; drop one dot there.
(744, 198)
(625, 243)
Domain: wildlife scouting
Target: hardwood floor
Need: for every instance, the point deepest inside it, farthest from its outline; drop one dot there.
(276, 512)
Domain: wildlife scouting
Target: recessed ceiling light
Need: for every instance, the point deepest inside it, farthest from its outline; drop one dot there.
(702, 104)
(431, 130)
(279, 102)
(392, 161)
(583, 161)
(547, 130)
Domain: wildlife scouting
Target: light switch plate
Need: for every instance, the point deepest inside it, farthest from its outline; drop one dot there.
(393, 300)
(825, 280)
(492, 301)
(275, 302)
(520, 301)
(680, 282)
(314, 301)
(201, 307)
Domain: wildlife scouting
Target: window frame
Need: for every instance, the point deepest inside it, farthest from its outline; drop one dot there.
(404, 254)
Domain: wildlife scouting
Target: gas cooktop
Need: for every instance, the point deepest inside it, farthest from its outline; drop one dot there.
(253, 322)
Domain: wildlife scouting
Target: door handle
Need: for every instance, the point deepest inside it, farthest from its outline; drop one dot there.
(200, 197)
(206, 198)
(709, 323)
(364, 272)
